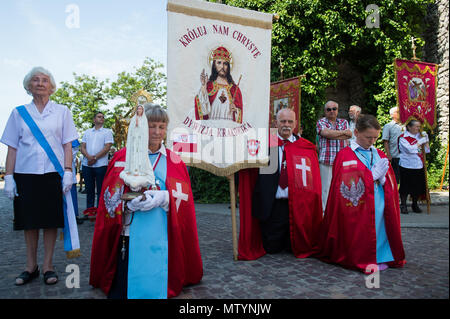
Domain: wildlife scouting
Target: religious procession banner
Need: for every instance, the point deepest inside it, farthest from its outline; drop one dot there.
(416, 84)
(284, 94)
(218, 85)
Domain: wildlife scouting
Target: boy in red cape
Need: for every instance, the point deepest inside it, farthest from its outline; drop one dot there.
(184, 264)
(263, 198)
(361, 225)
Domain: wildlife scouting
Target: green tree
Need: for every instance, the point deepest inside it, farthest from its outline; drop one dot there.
(314, 37)
(87, 94)
(148, 77)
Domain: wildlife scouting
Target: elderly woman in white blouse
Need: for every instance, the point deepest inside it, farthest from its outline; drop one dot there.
(31, 180)
(412, 174)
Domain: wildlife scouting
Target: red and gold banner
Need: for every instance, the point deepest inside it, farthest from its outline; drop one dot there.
(284, 94)
(416, 84)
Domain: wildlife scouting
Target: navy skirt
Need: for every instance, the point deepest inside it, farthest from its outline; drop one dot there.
(40, 201)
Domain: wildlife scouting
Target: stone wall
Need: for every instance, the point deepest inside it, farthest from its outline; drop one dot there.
(349, 89)
(436, 51)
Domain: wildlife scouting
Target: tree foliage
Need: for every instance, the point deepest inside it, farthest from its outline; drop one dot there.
(87, 95)
(313, 37)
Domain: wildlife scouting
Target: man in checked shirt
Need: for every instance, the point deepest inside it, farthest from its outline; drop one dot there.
(333, 136)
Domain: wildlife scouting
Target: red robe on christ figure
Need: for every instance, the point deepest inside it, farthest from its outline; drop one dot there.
(219, 97)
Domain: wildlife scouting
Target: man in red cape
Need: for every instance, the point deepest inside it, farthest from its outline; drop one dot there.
(348, 233)
(219, 97)
(184, 259)
(258, 192)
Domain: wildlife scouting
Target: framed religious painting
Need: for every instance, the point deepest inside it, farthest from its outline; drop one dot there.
(285, 94)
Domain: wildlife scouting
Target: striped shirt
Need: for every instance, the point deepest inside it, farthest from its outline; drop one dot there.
(328, 148)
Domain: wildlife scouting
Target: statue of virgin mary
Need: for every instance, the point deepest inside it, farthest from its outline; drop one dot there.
(138, 172)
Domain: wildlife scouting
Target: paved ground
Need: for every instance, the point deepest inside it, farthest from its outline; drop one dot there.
(426, 274)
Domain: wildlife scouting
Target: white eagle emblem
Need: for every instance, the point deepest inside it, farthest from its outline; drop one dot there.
(112, 201)
(354, 193)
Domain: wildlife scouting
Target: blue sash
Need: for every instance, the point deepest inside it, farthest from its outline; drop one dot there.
(70, 231)
(384, 253)
(148, 248)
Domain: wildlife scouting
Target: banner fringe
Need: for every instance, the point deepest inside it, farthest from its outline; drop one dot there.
(73, 253)
(227, 171)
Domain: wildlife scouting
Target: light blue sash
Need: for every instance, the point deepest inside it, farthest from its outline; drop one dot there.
(384, 253)
(148, 248)
(70, 231)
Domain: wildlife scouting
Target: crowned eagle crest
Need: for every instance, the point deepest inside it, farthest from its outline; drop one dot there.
(112, 201)
(354, 193)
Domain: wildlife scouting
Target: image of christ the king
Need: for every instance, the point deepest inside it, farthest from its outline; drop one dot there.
(219, 98)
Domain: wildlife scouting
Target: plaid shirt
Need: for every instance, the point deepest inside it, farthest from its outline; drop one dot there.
(328, 149)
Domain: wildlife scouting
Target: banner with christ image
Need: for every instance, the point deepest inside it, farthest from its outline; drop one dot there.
(218, 85)
(416, 84)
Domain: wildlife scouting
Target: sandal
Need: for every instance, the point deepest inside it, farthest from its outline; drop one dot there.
(50, 275)
(26, 276)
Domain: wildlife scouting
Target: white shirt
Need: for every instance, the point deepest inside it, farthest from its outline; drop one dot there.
(95, 141)
(409, 154)
(351, 126)
(56, 124)
(282, 193)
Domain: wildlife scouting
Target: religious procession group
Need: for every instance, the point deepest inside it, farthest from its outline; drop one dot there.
(337, 201)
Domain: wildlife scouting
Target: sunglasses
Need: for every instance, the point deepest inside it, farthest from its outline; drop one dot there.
(331, 109)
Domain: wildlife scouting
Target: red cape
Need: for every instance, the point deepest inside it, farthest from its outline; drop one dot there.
(184, 259)
(305, 204)
(348, 234)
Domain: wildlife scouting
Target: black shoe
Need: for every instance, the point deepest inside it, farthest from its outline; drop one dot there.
(50, 275)
(26, 276)
(416, 208)
(403, 209)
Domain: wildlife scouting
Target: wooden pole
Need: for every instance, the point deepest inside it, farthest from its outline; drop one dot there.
(233, 215)
(445, 166)
(426, 179)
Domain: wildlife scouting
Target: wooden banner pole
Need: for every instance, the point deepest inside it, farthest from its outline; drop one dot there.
(427, 191)
(233, 215)
(426, 179)
(443, 172)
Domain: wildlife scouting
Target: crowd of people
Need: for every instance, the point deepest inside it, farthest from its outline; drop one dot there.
(337, 200)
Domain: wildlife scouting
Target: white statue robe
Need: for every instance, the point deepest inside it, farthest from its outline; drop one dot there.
(138, 172)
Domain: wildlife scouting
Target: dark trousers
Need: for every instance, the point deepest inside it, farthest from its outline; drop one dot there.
(275, 230)
(396, 168)
(93, 178)
(119, 286)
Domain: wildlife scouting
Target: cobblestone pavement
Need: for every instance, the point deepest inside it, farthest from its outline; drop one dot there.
(273, 276)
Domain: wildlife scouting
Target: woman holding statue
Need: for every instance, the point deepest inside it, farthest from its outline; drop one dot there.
(153, 237)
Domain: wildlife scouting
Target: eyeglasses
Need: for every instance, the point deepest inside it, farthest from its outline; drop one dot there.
(331, 109)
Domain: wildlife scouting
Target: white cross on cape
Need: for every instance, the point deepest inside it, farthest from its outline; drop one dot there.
(179, 195)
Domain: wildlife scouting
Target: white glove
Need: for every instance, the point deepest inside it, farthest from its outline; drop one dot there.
(161, 198)
(142, 205)
(380, 169)
(67, 181)
(422, 140)
(10, 187)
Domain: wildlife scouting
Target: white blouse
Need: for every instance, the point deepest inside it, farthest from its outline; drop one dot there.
(409, 154)
(56, 124)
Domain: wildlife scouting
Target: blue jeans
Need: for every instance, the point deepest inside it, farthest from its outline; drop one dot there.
(93, 178)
